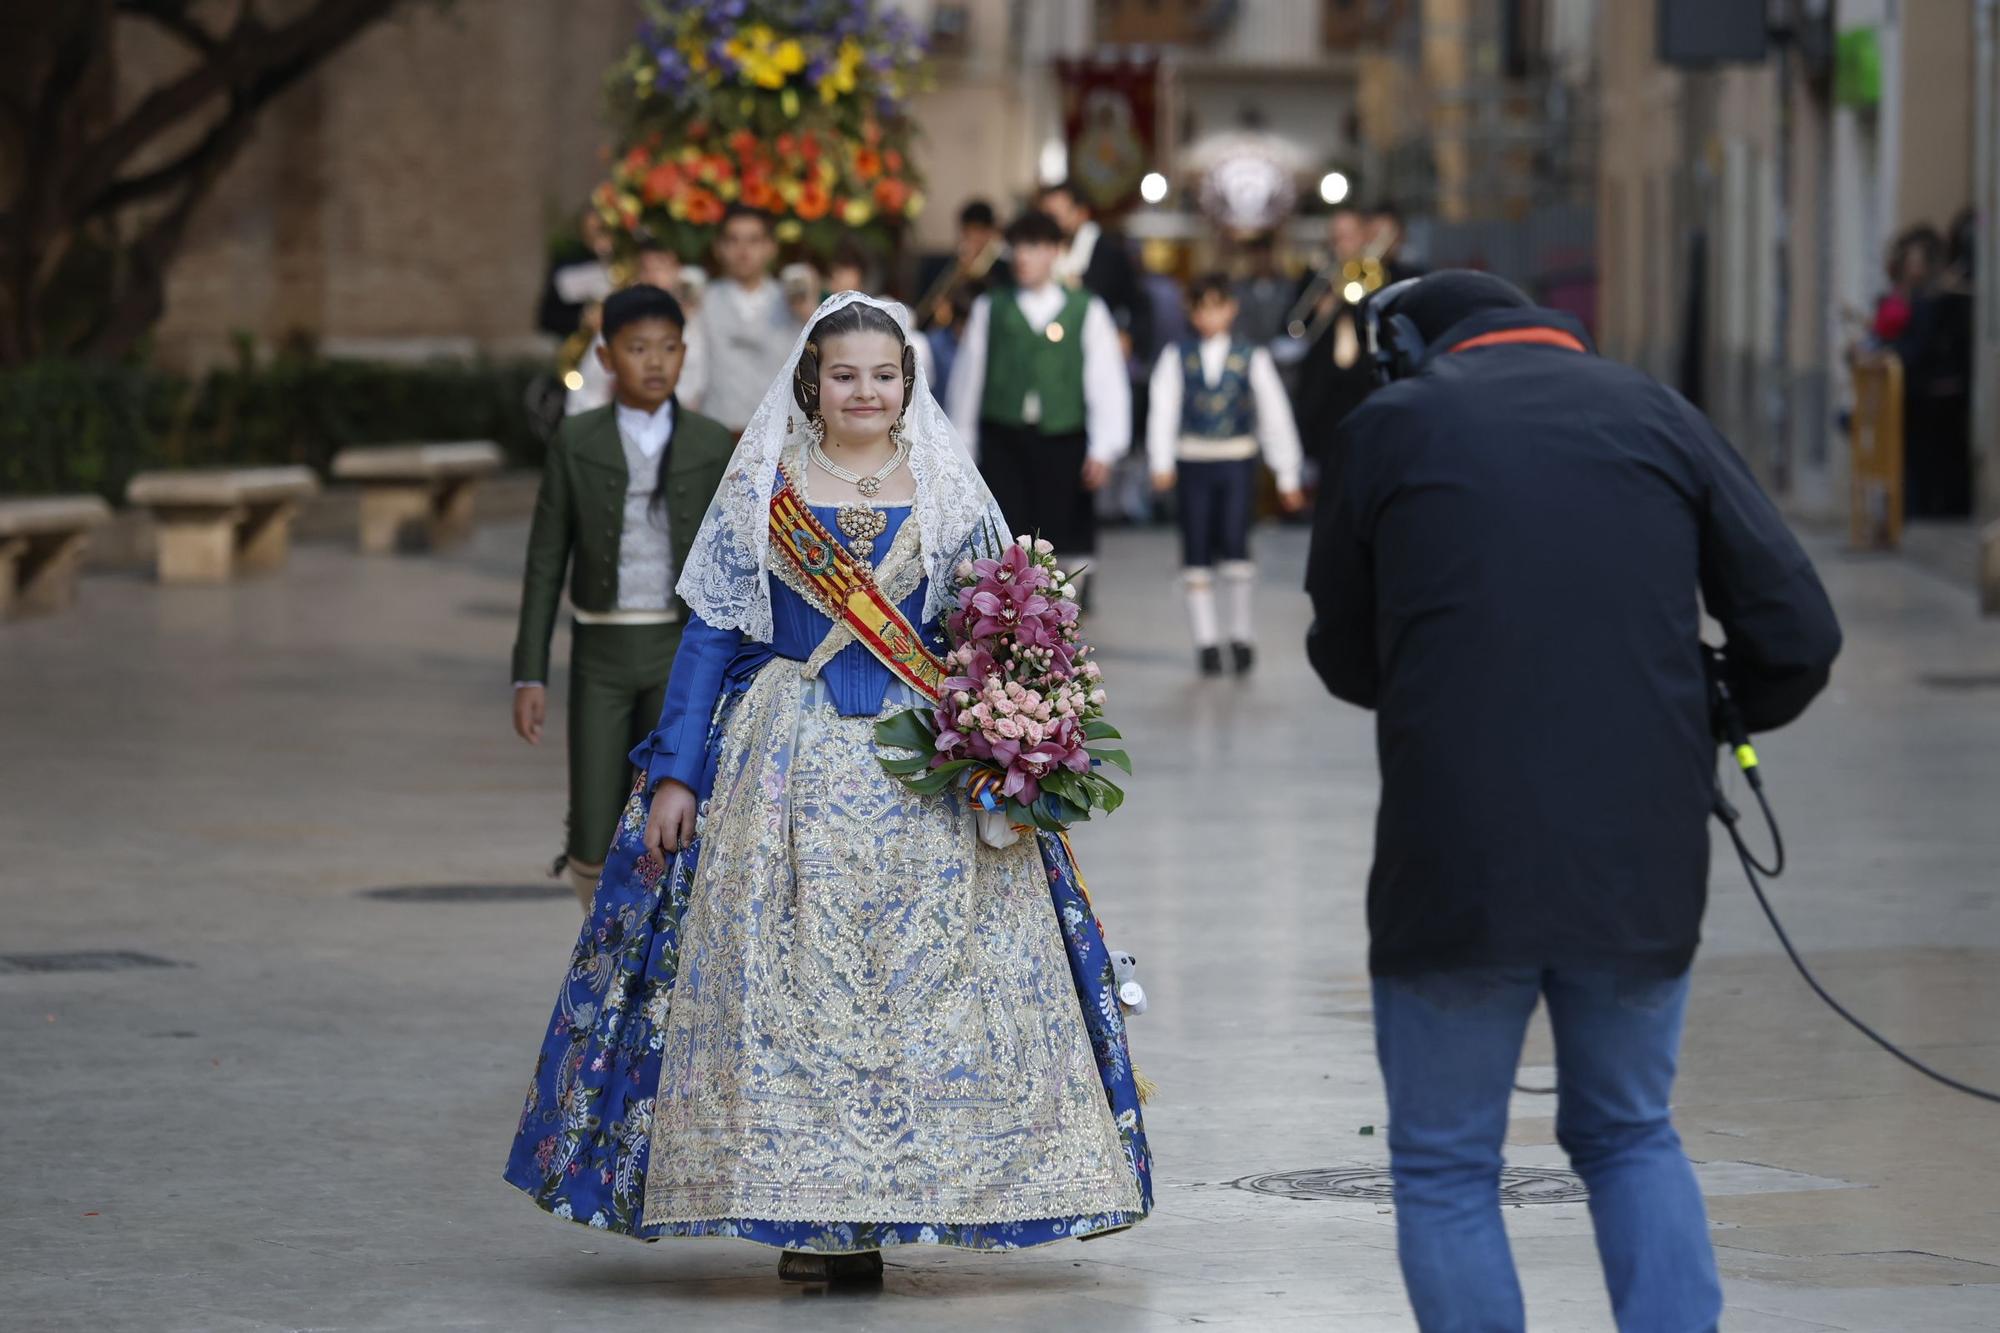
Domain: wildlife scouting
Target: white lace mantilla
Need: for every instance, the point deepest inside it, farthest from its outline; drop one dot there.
(727, 579)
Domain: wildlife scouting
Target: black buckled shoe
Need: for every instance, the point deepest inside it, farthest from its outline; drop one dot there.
(1211, 661)
(1243, 656)
(830, 1269)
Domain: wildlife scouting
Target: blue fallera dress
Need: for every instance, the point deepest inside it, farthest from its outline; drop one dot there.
(837, 1021)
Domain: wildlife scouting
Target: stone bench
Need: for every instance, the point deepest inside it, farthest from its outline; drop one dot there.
(41, 549)
(216, 522)
(425, 488)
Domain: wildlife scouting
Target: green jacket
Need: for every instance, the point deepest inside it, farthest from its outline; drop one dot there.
(579, 514)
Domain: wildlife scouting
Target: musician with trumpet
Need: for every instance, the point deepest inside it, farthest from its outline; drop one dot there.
(1323, 331)
(978, 264)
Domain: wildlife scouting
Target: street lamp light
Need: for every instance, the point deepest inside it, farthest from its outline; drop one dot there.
(1153, 189)
(1333, 186)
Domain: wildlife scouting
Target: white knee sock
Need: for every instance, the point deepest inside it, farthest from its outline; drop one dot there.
(1200, 586)
(1239, 580)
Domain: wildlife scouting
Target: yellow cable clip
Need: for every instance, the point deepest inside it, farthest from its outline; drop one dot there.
(1746, 757)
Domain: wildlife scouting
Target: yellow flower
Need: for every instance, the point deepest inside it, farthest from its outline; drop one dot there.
(841, 78)
(857, 213)
(790, 230)
(766, 61)
(916, 204)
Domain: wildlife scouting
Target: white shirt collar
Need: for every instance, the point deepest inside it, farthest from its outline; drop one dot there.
(1076, 258)
(648, 430)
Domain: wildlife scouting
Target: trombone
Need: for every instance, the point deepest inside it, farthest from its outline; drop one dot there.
(1354, 280)
(931, 309)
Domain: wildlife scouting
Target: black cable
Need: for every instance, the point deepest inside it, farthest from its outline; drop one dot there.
(1751, 869)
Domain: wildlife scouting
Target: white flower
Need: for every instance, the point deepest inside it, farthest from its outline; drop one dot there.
(1025, 540)
(1043, 546)
(1069, 591)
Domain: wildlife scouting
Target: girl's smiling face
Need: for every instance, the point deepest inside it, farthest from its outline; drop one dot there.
(860, 385)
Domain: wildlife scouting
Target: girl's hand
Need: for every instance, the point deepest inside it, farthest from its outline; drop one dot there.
(670, 824)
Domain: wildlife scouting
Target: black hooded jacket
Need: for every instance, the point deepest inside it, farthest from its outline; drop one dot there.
(1510, 561)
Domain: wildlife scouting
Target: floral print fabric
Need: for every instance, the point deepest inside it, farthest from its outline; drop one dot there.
(588, 1131)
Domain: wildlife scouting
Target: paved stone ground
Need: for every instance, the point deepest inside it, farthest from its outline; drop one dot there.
(300, 1123)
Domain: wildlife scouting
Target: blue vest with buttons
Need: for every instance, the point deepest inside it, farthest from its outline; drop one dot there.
(1224, 410)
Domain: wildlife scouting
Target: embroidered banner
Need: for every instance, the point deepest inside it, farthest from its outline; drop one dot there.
(848, 591)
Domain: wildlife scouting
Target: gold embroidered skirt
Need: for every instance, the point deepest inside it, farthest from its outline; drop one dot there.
(874, 1018)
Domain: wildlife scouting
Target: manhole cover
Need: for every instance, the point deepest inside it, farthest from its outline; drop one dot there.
(469, 893)
(1518, 1184)
(1989, 680)
(82, 960)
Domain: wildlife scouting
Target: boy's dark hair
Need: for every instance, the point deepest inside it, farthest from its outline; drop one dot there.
(1034, 227)
(978, 213)
(850, 255)
(1067, 190)
(641, 301)
(646, 244)
(741, 210)
(1211, 284)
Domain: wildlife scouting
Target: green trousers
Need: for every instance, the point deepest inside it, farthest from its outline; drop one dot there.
(617, 682)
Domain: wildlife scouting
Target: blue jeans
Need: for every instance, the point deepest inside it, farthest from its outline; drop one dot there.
(1449, 1043)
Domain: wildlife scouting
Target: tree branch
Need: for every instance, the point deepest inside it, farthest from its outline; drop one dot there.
(172, 15)
(247, 53)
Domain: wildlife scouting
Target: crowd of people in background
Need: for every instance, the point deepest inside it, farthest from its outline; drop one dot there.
(1925, 318)
(1089, 388)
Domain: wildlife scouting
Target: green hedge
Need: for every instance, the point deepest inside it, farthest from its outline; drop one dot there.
(67, 426)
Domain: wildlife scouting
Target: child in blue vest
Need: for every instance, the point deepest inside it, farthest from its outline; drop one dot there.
(1216, 403)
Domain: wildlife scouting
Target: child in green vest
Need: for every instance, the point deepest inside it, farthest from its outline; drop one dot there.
(1041, 395)
(623, 490)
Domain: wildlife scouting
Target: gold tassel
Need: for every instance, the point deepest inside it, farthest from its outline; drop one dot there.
(1147, 1088)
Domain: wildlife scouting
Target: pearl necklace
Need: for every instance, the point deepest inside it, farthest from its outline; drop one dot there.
(870, 484)
(862, 523)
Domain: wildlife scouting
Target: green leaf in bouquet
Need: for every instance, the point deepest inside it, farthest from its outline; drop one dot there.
(1118, 757)
(1098, 729)
(905, 730)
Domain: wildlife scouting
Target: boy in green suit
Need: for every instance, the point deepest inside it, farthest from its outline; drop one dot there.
(623, 490)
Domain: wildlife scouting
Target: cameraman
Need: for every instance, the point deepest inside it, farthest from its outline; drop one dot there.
(1509, 565)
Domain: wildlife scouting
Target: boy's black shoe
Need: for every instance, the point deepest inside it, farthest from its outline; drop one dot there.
(1243, 657)
(1211, 661)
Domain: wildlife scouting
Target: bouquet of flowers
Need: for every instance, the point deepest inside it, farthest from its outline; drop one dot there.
(798, 108)
(1021, 725)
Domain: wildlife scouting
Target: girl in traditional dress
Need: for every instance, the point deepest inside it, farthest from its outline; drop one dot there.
(811, 1008)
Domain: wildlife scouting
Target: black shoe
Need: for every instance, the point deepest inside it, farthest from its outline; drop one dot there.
(1211, 661)
(1243, 656)
(833, 1269)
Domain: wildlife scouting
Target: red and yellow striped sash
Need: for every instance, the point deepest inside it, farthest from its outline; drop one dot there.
(847, 590)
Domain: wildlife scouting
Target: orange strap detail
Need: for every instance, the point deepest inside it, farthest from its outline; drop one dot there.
(1540, 337)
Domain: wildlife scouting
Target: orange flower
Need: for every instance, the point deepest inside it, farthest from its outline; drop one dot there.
(868, 164)
(636, 162)
(813, 201)
(758, 194)
(894, 161)
(809, 147)
(742, 143)
(891, 194)
(787, 145)
(703, 208)
(660, 183)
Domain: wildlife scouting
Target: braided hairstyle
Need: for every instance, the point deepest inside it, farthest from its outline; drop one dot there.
(859, 317)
